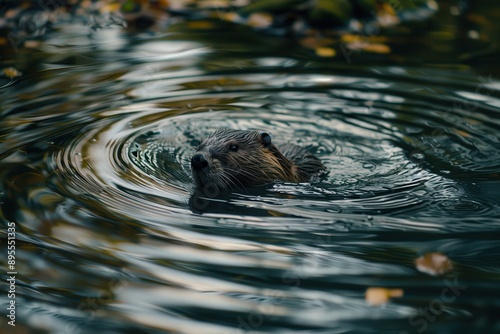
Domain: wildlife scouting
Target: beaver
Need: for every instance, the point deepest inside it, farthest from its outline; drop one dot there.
(230, 159)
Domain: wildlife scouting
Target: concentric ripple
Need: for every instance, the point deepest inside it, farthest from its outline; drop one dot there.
(137, 156)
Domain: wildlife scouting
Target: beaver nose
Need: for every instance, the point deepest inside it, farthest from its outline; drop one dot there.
(198, 162)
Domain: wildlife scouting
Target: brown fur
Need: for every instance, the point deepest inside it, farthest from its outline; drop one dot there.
(255, 161)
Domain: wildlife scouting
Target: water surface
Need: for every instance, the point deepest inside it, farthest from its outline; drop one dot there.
(96, 139)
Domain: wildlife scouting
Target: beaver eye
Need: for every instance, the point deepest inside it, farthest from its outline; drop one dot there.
(233, 147)
(265, 139)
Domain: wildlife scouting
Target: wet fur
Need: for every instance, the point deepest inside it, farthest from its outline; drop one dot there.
(254, 163)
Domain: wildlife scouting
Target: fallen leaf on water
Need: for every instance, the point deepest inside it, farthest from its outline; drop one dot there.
(434, 264)
(351, 38)
(32, 44)
(163, 3)
(115, 6)
(325, 52)
(11, 72)
(260, 20)
(377, 48)
(387, 8)
(379, 296)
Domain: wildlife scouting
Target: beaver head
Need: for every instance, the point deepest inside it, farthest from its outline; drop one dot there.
(230, 159)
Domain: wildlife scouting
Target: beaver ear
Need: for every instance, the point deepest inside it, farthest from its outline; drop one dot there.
(265, 139)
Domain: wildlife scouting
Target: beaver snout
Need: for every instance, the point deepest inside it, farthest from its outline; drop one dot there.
(198, 162)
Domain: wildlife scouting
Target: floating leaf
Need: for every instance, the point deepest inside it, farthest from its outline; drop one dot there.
(32, 44)
(351, 38)
(11, 72)
(380, 296)
(434, 264)
(163, 3)
(325, 52)
(376, 48)
(260, 20)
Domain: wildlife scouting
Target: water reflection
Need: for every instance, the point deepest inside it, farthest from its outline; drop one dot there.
(95, 172)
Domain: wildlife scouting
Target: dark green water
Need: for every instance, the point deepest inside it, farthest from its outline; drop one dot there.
(95, 142)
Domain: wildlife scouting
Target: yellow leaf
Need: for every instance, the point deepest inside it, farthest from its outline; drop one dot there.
(11, 72)
(377, 48)
(380, 296)
(325, 52)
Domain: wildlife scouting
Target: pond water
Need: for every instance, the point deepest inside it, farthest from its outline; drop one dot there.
(96, 140)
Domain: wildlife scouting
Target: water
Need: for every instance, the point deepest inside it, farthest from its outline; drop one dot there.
(96, 140)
